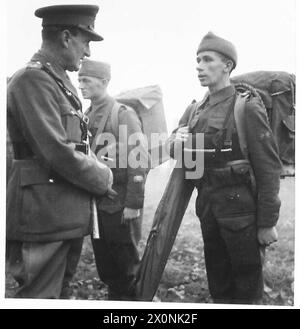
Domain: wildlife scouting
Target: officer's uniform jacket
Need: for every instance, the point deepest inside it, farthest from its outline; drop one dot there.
(208, 118)
(129, 182)
(51, 184)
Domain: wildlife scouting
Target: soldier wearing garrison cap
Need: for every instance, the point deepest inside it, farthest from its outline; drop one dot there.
(54, 177)
(120, 220)
(237, 203)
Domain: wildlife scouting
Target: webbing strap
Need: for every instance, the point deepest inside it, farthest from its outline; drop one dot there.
(100, 129)
(240, 120)
(115, 118)
(229, 124)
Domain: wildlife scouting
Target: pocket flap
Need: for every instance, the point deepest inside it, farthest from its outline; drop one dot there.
(31, 176)
(215, 123)
(236, 223)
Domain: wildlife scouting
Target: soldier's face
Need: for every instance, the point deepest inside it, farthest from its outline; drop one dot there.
(78, 49)
(211, 68)
(91, 87)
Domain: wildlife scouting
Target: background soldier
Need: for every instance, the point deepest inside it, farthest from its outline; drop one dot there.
(120, 220)
(237, 222)
(52, 177)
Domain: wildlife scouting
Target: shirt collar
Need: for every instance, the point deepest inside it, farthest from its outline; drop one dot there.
(221, 95)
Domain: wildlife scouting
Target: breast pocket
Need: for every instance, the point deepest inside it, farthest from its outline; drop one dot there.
(71, 123)
(213, 134)
(214, 124)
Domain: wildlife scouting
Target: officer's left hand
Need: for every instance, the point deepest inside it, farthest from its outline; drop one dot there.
(130, 214)
(267, 235)
(111, 193)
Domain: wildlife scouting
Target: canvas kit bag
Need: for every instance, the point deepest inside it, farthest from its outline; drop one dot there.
(148, 104)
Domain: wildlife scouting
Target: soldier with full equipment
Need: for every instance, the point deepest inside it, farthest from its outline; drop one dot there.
(237, 203)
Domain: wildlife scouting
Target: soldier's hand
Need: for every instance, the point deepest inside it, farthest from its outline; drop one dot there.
(111, 193)
(129, 214)
(182, 134)
(267, 235)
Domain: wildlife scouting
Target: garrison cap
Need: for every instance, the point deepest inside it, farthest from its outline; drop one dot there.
(82, 16)
(95, 69)
(212, 42)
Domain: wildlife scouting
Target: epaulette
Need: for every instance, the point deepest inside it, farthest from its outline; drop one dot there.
(34, 65)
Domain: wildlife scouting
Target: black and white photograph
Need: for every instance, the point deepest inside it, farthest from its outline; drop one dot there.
(150, 154)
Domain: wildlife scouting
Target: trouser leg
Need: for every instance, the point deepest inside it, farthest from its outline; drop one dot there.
(232, 256)
(116, 254)
(217, 261)
(246, 263)
(73, 257)
(39, 268)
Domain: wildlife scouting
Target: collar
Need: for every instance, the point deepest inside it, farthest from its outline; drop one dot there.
(102, 106)
(53, 65)
(221, 95)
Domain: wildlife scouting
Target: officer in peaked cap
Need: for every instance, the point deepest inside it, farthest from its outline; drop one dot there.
(54, 177)
(82, 16)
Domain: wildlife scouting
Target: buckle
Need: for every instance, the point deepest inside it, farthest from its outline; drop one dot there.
(82, 147)
(85, 119)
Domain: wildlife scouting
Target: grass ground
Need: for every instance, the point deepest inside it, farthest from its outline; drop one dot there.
(184, 278)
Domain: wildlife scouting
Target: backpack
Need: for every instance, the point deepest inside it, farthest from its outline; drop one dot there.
(277, 92)
(148, 105)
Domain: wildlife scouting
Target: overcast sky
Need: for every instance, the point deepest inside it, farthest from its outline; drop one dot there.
(154, 42)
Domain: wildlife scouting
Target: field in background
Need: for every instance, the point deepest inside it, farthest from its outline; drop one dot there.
(184, 279)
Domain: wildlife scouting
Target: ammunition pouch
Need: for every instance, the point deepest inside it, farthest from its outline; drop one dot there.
(238, 172)
(233, 198)
(234, 209)
(233, 201)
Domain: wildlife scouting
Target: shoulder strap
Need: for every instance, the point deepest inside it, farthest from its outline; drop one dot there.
(228, 126)
(115, 117)
(73, 99)
(99, 130)
(240, 120)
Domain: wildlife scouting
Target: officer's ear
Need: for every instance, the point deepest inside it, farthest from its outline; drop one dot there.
(64, 38)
